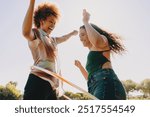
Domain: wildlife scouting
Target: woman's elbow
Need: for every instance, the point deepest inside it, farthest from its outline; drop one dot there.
(27, 35)
(24, 33)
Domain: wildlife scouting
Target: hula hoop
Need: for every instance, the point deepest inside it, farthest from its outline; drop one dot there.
(64, 80)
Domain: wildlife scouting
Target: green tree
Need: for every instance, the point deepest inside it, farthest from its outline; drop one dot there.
(10, 92)
(129, 85)
(145, 86)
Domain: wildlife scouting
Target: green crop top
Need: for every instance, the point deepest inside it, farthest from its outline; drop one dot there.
(95, 61)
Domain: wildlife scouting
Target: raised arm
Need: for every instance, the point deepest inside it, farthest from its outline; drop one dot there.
(96, 39)
(66, 37)
(27, 23)
(83, 71)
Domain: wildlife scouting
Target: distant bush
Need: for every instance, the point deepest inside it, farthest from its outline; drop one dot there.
(139, 98)
(9, 92)
(75, 96)
(143, 87)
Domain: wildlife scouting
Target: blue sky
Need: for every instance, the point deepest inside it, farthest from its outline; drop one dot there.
(128, 18)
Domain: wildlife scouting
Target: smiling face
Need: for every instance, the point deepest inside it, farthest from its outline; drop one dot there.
(84, 38)
(49, 24)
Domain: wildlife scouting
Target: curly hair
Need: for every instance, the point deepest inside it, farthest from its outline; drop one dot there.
(114, 41)
(43, 11)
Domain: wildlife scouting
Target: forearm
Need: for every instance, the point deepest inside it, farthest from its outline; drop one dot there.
(84, 72)
(66, 37)
(27, 23)
(93, 36)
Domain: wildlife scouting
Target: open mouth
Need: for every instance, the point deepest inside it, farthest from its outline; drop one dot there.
(50, 28)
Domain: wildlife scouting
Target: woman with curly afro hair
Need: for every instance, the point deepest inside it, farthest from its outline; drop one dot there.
(41, 86)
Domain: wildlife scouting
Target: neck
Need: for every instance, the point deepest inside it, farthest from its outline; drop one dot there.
(46, 34)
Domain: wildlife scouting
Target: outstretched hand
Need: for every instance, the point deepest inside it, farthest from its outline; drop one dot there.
(86, 16)
(75, 32)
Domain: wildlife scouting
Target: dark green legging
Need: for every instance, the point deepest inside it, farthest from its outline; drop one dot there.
(38, 89)
(105, 85)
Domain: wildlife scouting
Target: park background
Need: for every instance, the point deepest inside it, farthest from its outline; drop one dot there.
(128, 18)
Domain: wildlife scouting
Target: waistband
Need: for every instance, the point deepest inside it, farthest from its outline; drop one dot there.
(100, 70)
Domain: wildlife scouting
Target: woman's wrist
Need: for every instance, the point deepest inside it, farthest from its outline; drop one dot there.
(85, 22)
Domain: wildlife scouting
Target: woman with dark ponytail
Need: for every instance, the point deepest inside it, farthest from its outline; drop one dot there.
(101, 79)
